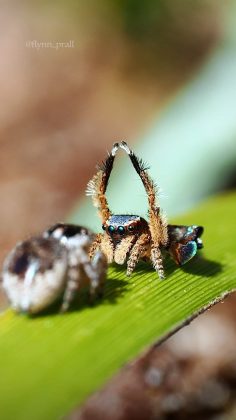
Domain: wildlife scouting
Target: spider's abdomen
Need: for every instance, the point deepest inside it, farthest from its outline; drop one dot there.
(34, 274)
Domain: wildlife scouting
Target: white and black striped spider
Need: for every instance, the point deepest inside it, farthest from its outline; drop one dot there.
(130, 237)
(39, 271)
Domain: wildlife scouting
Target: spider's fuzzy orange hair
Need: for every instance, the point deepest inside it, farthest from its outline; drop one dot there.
(97, 186)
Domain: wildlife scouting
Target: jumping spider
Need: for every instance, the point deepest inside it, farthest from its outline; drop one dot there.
(39, 270)
(130, 237)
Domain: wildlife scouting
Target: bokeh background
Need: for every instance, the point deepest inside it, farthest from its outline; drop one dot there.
(77, 76)
(160, 74)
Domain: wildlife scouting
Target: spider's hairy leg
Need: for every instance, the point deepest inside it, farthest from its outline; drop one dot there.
(98, 184)
(107, 248)
(82, 271)
(157, 261)
(72, 287)
(157, 222)
(136, 252)
(95, 245)
(98, 276)
(148, 183)
(123, 248)
(103, 243)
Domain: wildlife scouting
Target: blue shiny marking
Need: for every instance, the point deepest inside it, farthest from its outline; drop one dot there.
(122, 219)
(121, 229)
(188, 251)
(190, 230)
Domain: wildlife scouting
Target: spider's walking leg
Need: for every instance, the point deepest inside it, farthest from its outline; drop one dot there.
(136, 252)
(74, 274)
(103, 244)
(95, 245)
(98, 275)
(98, 184)
(157, 261)
(107, 248)
(123, 248)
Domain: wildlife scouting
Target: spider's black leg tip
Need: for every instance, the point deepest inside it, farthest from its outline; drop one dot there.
(200, 230)
(125, 147)
(114, 149)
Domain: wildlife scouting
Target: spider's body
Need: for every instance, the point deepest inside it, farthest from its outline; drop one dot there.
(130, 237)
(38, 271)
(125, 235)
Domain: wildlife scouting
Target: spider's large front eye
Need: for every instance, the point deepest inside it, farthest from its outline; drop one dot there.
(111, 229)
(121, 229)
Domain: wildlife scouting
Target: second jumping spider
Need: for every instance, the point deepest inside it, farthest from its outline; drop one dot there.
(130, 237)
(39, 270)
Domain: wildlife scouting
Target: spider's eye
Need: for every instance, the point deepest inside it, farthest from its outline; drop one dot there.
(111, 229)
(103, 227)
(121, 229)
(131, 228)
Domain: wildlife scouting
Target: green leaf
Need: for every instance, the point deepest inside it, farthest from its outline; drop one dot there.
(52, 362)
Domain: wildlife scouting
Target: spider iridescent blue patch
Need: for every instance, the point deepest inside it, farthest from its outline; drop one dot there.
(122, 219)
(186, 252)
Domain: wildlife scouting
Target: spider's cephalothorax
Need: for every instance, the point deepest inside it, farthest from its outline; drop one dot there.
(40, 270)
(120, 226)
(130, 237)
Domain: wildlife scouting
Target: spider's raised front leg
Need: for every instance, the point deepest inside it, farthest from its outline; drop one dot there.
(137, 252)
(157, 222)
(98, 184)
